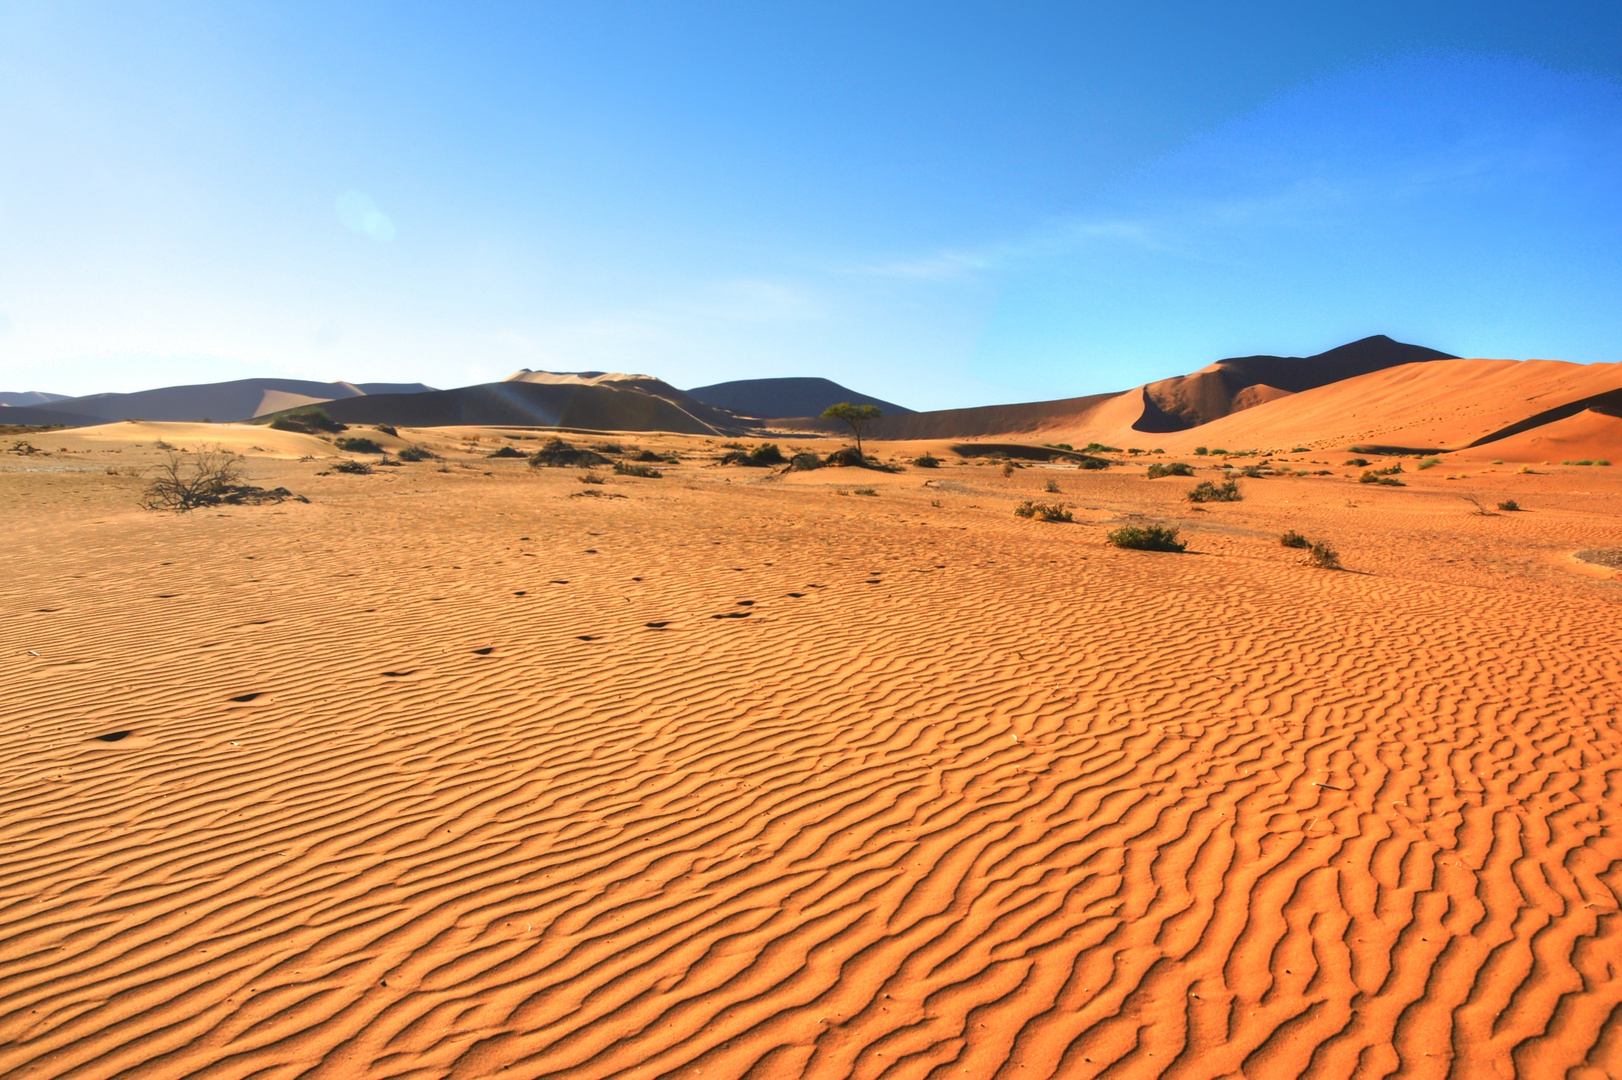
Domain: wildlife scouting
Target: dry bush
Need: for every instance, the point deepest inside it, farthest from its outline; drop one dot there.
(359, 445)
(1205, 491)
(590, 478)
(415, 453)
(352, 467)
(1051, 486)
(307, 422)
(207, 477)
(1170, 468)
(1146, 538)
(1293, 539)
(1509, 505)
(622, 468)
(1043, 511)
(1321, 555)
(556, 453)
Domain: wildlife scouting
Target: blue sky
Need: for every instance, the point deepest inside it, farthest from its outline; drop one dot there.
(939, 204)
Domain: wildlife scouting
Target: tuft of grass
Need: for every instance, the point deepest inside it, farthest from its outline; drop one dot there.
(1509, 505)
(1008, 468)
(622, 468)
(1293, 539)
(1051, 486)
(1042, 511)
(590, 478)
(1146, 538)
(1430, 463)
(414, 453)
(1205, 491)
(864, 491)
(927, 461)
(1321, 555)
(352, 466)
(1170, 468)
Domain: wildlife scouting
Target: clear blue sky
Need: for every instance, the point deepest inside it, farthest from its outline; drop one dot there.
(941, 204)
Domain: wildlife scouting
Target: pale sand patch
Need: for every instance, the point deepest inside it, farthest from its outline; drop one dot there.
(446, 774)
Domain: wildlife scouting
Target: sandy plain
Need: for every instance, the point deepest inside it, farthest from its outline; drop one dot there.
(488, 772)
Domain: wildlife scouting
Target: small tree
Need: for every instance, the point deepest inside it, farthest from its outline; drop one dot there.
(857, 416)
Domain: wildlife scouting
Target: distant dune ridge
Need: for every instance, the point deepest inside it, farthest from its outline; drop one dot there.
(223, 402)
(1376, 392)
(772, 399)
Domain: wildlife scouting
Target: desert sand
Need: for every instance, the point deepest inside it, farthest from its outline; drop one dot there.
(466, 768)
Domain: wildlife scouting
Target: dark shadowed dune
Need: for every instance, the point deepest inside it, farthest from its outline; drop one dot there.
(778, 398)
(33, 416)
(222, 402)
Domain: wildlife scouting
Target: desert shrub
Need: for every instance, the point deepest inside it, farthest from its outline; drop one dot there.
(359, 446)
(508, 451)
(1202, 451)
(1146, 538)
(1321, 555)
(1094, 463)
(1058, 446)
(864, 491)
(1215, 450)
(1358, 463)
(1051, 486)
(1430, 463)
(557, 454)
(414, 453)
(652, 458)
(762, 456)
(622, 468)
(1043, 511)
(609, 448)
(1100, 448)
(927, 461)
(308, 422)
(1510, 505)
(1254, 472)
(1170, 468)
(1602, 461)
(1300, 450)
(1374, 477)
(387, 429)
(1205, 491)
(804, 461)
(1293, 539)
(1008, 468)
(185, 482)
(352, 466)
(846, 457)
(590, 478)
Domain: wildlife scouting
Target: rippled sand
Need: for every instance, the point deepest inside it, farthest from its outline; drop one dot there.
(447, 774)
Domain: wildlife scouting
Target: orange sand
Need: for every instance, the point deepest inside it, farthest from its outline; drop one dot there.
(457, 774)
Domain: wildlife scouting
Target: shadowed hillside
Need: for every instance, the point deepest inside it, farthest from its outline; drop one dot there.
(221, 402)
(777, 398)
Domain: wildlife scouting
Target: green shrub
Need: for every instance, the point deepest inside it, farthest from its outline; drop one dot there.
(1146, 538)
(927, 461)
(1043, 511)
(622, 468)
(1358, 463)
(308, 422)
(1170, 468)
(1093, 463)
(414, 453)
(555, 453)
(1321, 555)
(1430, 463)
(1374, 477)
(1100, 448)
(1293, 539)
(1201, 451)
(1205, 491)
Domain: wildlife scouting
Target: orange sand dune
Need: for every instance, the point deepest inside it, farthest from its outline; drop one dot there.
(470, 769)
(1442, 403)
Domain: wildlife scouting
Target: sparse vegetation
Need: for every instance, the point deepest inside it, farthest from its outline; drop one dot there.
(858, 417)
(1357, 462)
(863, 491)
(1321, 555)
(352, 466)
(1509, 505)
(1100, 448)
(1146, 538)
(508, 451)
(1293, 539)
(1008, 468)
(308, 422)
(1051, 486)
(623, 468)
(590, 478)
(1374, 477)
(762, 456)
(557, 454)
(1041, 511)
(1202, 451)
(804, 461)
(1206, 491)
(1429, 463)
(357, 445)
(927, 461)
(1094, 463)
(414, 453)
(208, 477)
(1157, 469)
